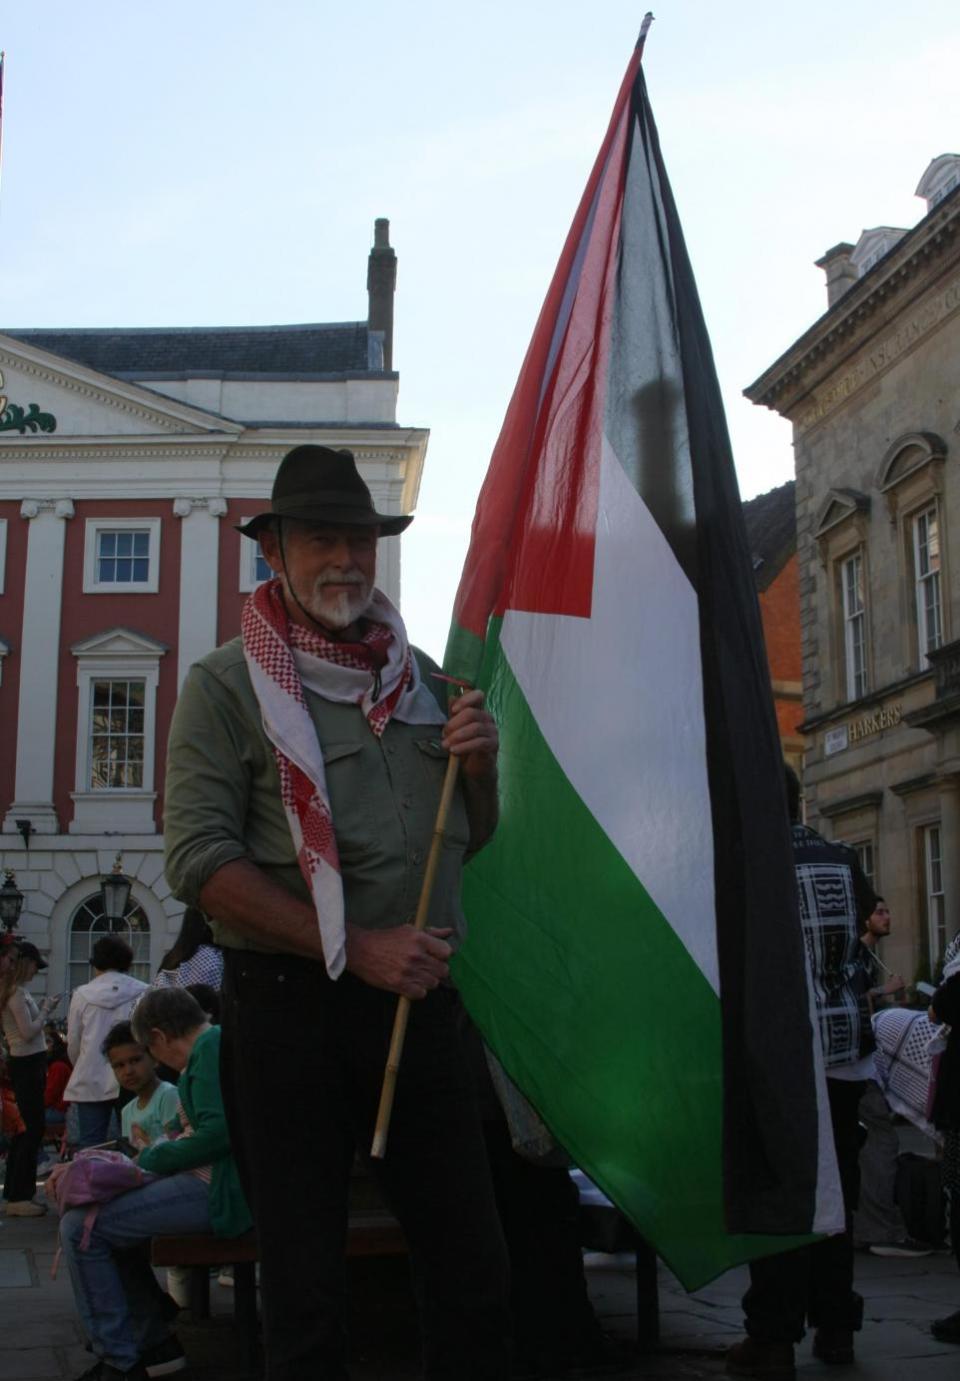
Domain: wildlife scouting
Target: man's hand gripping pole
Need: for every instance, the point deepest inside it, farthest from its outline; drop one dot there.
(380, 1132)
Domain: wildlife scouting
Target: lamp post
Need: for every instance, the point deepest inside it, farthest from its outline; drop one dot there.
(11, 901)
(115, 895)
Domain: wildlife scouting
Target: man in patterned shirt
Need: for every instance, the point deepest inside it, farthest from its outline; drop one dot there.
(815, 1284)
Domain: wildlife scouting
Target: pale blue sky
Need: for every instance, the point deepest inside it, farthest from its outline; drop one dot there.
(222, 163)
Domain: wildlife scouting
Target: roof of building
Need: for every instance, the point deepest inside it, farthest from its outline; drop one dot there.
(935, 235)
(150, 352)
(771, 521)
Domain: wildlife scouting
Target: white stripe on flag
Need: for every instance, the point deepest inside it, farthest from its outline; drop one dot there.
(619, 699)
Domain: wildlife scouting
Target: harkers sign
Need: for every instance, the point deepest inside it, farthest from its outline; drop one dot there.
(835, 740)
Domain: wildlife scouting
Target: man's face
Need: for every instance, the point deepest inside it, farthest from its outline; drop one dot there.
(878, 922)
(331, 569)
(132, 1067)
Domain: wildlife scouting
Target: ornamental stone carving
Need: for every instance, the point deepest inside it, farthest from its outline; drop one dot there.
(183, 507)
(61, 508)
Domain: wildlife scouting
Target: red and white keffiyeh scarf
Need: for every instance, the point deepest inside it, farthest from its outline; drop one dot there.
(379, 674)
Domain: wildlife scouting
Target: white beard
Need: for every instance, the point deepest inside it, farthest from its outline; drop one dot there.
(340, 610)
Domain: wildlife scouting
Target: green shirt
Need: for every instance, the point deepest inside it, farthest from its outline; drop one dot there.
(223, 801)
(199, 1090)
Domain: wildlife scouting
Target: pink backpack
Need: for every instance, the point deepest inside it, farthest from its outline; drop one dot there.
(93, 1178)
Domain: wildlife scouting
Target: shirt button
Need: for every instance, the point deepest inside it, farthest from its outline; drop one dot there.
(391, 749)
(417, 856)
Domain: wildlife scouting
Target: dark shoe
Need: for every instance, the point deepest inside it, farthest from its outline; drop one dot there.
(165, 1359)
(103, 1371)
(907, 1246)
(834, 1346)
(751, 1357)
(947, 1330)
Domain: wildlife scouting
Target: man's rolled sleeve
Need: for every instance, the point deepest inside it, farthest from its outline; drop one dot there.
(207, 787)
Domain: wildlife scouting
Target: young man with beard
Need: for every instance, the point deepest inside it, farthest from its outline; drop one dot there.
(305, 766)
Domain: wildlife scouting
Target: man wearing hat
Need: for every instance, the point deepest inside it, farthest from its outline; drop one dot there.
(305, 764)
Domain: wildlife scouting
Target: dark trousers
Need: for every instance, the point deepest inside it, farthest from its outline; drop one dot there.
(301, 1065)
(28, 1078)
(814, 1284)
(539, 1208)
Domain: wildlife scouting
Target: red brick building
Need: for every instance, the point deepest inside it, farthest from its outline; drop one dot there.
(126, 458)
(772, 535)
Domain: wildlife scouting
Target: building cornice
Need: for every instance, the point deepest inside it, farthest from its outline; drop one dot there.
(909, 270)
(866, 800)
(866, 702)
(167, 467)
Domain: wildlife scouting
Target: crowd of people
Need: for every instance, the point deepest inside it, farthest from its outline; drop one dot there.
(306, 760)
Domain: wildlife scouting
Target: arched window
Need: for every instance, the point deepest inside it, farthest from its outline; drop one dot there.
(89, 923)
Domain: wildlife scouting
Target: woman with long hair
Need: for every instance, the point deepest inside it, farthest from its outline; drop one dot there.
(23, 1021)
(193, 957)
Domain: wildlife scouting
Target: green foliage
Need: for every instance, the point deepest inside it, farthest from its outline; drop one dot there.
(14, 419)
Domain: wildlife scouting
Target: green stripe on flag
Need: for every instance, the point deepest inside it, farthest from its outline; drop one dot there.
(590, 1000)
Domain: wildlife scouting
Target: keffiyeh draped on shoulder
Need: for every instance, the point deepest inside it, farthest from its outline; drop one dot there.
(379, 674)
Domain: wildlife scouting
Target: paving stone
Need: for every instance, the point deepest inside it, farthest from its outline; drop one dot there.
(29, 1329)
(16, 1271)
(29, 1364)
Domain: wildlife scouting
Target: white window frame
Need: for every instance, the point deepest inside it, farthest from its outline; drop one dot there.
(3, 553)
(935, 902)
(249, 551)
(116, 656)
(93, 586)
(866, 853)
(921, 579)
(854, 627)
(129, 930)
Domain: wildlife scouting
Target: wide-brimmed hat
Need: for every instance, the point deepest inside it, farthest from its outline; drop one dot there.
(26, 950)
(317, 484)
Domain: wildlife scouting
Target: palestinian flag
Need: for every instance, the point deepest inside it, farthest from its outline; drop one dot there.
(635, 955)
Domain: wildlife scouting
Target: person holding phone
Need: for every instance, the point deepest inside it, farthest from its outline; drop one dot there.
(23, 1022)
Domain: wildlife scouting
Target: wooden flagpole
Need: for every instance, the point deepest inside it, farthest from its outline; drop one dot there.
(382, 1128)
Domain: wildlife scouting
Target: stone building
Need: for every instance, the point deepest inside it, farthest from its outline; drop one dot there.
(871, 391)
(126, 458)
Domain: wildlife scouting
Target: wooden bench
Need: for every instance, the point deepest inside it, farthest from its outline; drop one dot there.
(371, 1232)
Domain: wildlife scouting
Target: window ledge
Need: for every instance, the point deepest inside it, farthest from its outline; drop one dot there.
(119, 811)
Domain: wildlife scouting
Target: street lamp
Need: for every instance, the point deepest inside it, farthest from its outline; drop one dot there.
(115, 895)
(11, 901)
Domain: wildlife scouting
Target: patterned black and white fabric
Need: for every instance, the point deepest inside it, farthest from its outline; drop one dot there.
(903, 1062)
(834, 897)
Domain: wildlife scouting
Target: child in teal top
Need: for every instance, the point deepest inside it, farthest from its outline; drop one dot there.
(146, 1117)
(196, 1190)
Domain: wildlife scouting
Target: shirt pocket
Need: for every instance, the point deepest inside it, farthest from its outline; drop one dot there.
(433, 759)
(344, 766)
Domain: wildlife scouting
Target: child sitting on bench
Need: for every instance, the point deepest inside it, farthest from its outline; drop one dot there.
(118, 1298)
(146, 1117)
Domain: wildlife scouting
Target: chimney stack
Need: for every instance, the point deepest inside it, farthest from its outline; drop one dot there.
(381, 283)
(841, 271)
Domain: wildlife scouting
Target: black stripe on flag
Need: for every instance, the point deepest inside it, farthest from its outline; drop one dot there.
(665, 420)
